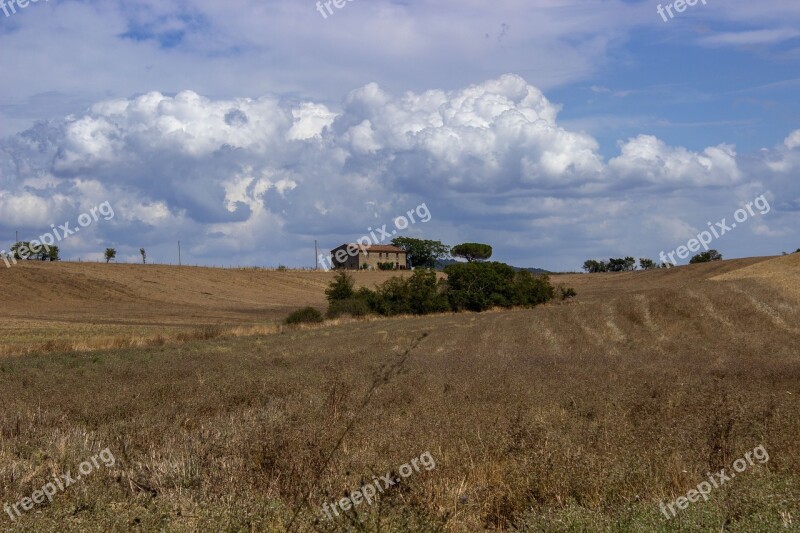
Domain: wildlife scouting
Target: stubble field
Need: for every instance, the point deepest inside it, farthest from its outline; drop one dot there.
(575, 416)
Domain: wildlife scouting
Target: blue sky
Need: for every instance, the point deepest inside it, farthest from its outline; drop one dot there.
(556, 131)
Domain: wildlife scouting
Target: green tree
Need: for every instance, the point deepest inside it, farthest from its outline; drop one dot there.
(426, 295)
(647, 264)
(393, 297)
(530, 290)
(592, 267)
(422, 253)
(706, 257)
(472, 251)
(24, 250)
(52, 254)
(621, 264)
(419, 294)
(479, 286)
(341, 288)
(110, 254)
(19, 250)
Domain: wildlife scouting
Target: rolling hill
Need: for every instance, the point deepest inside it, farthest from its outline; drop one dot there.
(582, 415)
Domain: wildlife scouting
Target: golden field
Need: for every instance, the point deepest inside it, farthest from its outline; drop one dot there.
(582, 415)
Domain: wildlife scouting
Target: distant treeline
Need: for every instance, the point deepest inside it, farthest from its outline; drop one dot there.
(628, 264)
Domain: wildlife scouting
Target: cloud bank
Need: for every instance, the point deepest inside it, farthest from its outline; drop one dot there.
(255, 181)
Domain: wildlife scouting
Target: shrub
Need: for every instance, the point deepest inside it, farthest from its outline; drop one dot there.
(392, 297)
(469, 286)
(566, 292)
(479, 286)
(306, 315)
(341, 288)
(425, 294)
(418, 295)
(355, 307)
(530, 290)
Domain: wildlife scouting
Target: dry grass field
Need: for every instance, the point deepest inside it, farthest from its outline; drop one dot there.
(88, 306)
(574, 416)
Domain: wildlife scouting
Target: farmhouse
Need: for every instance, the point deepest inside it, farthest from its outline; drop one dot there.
(357, 257)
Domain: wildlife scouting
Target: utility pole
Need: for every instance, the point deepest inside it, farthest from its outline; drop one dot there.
(316, 260)
(179, 253)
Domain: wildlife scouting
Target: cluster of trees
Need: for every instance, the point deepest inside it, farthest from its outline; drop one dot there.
(479, 286)
(425, 253)
(706, 257)
(625, 264)
(422, 253)
(24, 250)
(474, 286)
(628, 264)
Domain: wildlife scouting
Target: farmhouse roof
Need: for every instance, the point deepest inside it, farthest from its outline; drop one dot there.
(377, 248)
(385, 248)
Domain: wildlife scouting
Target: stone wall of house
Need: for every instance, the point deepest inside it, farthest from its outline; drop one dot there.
(372, 259)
